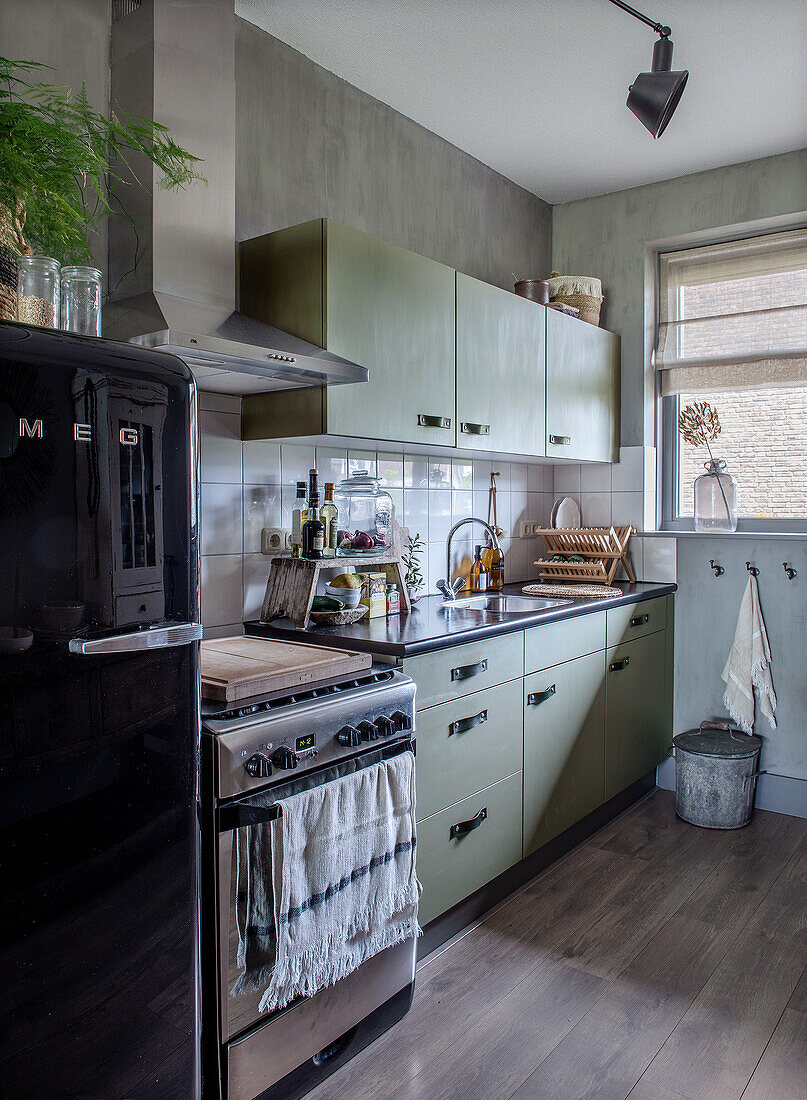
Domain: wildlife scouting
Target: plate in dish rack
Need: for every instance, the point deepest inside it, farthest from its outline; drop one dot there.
(567, 514)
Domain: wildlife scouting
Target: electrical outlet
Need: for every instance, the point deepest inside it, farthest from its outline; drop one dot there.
(274, 539)
(526, 529)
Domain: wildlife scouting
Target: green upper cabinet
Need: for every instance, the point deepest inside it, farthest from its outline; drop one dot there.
(378, 305)
(582, 390)
(501, 357)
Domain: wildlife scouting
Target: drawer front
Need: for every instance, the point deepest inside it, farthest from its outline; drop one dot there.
(554, 643)
(468, 744)
(452, 673)
(453, 862)
(634, 620)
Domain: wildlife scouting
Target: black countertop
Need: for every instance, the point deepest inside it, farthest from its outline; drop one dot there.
(430, 625)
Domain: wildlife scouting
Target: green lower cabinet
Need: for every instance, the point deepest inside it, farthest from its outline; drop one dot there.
(468, 844)
(467, 744)
(638, 723)
(564, 747)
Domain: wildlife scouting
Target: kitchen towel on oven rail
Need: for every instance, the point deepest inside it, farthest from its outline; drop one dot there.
(341, 860)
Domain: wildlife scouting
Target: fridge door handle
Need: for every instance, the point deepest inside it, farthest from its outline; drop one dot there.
(157, 637)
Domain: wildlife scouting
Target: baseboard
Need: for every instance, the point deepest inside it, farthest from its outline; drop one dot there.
(783, 794)
(470, 909)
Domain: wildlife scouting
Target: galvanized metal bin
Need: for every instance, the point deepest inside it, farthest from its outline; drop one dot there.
(716, 770)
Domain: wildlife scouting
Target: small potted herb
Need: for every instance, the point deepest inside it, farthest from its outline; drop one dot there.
(413, 578)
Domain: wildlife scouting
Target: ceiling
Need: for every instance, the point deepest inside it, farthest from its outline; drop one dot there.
(536, 88)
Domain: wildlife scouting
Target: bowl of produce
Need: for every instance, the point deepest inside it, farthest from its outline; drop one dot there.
(346, 588)
(329, 611)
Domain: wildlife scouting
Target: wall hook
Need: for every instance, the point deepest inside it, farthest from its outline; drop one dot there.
(752, 569)
(719, 570)
(791, 572)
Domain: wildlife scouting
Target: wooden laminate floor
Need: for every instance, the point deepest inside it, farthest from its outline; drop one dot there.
(657, 961)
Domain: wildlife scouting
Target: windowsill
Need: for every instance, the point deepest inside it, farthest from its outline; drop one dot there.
(798, 535)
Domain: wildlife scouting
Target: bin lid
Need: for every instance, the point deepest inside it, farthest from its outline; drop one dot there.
(710, 742)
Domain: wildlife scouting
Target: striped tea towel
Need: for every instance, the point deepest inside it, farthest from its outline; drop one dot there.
(749, 665)
(334, 883)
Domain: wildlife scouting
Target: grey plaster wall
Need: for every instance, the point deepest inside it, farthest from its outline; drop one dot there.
(72, 37)
(310, 145)
(607, 236)
(705, 618)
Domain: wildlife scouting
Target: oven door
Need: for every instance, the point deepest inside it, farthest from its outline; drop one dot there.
(239, 1014)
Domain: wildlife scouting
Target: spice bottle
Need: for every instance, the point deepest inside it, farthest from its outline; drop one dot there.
(298, 518)
(393, 600)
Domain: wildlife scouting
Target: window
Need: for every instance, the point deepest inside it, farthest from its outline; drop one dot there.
(733, 332)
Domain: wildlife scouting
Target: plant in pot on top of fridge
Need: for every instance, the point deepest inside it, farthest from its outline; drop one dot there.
(62, 166)
(715, 491)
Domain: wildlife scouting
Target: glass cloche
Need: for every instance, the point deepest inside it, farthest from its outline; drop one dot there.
(365, 516)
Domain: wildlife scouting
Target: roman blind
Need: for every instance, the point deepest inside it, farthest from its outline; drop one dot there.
(734, 316)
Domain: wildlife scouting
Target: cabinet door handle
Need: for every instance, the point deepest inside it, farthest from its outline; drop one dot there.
(463, 827)
(560, 440)
(536, 697)
(617, 666)
(639, 620)
(474, 429)
(428, 420)
(462, 725)
(465, 672)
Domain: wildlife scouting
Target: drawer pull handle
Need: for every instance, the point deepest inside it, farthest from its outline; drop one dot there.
(639, 620)
(428, 420)
(465, 672)
(463, 827)
(462, 725)
(474, 429)
(617, 666)
(536, 697)
(560, 440)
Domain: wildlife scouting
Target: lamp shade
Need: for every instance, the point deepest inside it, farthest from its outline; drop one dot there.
(653, 98)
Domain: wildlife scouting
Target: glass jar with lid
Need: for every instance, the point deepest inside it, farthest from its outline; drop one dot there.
(38, 291)
(81, 300)
(365, 516)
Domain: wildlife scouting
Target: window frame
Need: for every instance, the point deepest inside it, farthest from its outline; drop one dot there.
(667, 409)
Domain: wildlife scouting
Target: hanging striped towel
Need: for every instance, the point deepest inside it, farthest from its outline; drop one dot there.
(338, 870)
(749, 665)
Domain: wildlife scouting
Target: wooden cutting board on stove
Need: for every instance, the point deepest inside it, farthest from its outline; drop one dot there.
(235, 668)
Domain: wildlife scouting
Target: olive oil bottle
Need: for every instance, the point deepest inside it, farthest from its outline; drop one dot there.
(329, 515)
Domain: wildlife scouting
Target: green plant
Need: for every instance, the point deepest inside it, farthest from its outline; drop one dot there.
(62, 162)
(411, 559)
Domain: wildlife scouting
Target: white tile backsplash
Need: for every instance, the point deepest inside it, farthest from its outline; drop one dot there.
(595, 477)
(595, 509)
(220, 446)
(221, 519)
(295, 463)
(262, 462)
(241, 494)
(222, 594)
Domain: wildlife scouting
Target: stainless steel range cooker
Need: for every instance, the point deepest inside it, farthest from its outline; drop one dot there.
(254, 754)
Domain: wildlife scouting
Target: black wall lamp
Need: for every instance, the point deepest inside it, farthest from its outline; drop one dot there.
(654, 96)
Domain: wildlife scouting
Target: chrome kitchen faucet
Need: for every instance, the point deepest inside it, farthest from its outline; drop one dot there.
(451, 589)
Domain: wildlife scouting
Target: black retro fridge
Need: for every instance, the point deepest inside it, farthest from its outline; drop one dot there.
(99, 701)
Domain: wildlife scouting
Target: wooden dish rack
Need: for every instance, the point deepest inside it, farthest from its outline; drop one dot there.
(604, 548)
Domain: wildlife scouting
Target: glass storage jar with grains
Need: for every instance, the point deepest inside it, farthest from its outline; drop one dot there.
(365, 516)
(38, 291)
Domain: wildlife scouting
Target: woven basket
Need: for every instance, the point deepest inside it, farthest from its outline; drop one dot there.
(582, 292)
(8, 268)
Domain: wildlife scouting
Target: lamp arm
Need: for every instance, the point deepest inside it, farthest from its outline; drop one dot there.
(659, 28)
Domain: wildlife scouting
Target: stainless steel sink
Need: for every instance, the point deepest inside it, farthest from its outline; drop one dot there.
(505, 605)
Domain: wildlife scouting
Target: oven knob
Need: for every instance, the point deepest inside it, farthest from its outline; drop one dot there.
(258, 766)
(368, 731)
(284, 758)
(349, 735)
(386, 726)
(402, 721)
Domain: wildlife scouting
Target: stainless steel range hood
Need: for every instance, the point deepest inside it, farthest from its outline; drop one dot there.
(174, 61)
